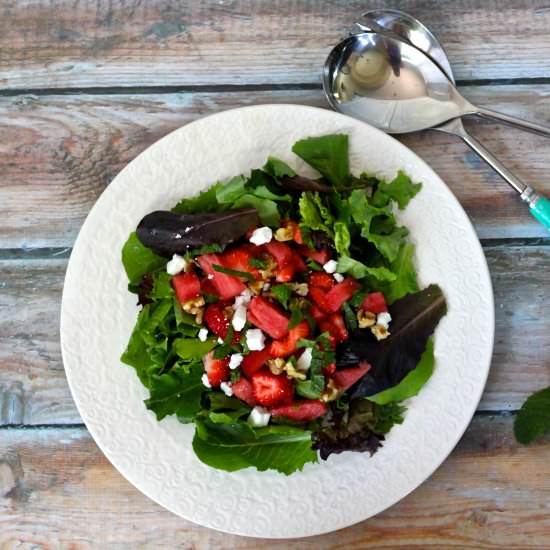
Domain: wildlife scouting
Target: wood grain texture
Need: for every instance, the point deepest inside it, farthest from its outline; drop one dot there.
(161, 42)
(58, 153)
(33, 389)
(58, 491)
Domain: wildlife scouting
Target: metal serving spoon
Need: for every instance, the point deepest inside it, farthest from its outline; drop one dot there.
(386, 79)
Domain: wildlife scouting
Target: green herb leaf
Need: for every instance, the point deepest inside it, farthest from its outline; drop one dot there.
(359, 270)
(296, 316)
(349, 316)
(237, 445)
(412, 383)
(327, 154)
(533, 419)
(193, 348)
(162, 286)
(283, 293)
(313, 265)
(256, 262)
(204, 249)
(234, 272)
(225, 349)
(139, 260)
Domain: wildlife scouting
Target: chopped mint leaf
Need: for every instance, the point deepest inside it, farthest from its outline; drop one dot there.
(282, 292)
(234, 272)
(256, 262)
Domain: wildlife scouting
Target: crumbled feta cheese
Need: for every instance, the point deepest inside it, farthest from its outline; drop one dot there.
(266, 286)
(203, 334)
(244, 298)
(255, 339)
(226, 388)
(239, 318)
(383, 319)
(176, 265)
(259, 417)
(338, 277)
(204, 380)
(260, 236)
(235, 360)
(210, 276)
(330, 266)
(220, 340)
(304, 361)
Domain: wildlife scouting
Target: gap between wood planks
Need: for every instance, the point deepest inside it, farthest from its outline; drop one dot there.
(213, 88)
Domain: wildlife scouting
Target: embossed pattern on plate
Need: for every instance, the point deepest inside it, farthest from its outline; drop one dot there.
(98, 315)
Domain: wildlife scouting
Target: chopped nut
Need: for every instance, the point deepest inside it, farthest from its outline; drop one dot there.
(192, 306)
(291, 372)
(284, 234)
(332, 392)
(366, 318)
(199, 316)
(300, 288)
(256, 286)
(276, 366)
(268, 271)
(380, 331)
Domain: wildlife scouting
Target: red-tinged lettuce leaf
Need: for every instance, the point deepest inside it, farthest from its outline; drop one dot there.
(414, 319)
(167, 233)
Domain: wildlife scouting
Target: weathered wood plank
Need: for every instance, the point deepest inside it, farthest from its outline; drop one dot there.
(58, 153)
(33, 389)
(58, 490)
(158, 42)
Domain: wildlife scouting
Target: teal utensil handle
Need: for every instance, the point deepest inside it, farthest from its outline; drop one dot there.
(541, 211)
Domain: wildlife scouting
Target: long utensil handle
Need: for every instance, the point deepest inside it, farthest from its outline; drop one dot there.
(514, 121)
(539, 205)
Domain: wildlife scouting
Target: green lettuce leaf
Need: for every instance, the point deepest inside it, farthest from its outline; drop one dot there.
(177, 392)
(359, 270)
(401, 189)
(315, 215)
(233, 446)
(533, 419)
(277, 168)
(139, 260)
(342, 238)
(202, 203)
(405, 275)
(327, 154)
(193, 348)
(231, 190)
(412, 383)
(267, 209)
(162, 286)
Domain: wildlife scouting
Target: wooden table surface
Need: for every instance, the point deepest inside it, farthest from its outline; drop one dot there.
(87, 85)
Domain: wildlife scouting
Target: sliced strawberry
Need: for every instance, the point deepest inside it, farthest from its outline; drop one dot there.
(330, 369)
(345, 378)
(287, 346)
(271, 389)
(316, 312)
(321, 279)
(186, 286)
(321, 256)
(217, 319)
(238, 258)
(254, 361)
(298, 235)
(217, 370)
(227, 286)
(243, 390)
(334, 325)
(341, 293)
(319, 297)
(268, 317)
(281, 252)
(375, 303)
(284, 274)
(301, 411)
(207, 286)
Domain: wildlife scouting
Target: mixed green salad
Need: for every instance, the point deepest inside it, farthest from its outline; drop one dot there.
(281, 314)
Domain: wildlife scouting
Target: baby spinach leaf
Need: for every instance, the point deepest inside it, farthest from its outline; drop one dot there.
(139, 260)
(533, 419)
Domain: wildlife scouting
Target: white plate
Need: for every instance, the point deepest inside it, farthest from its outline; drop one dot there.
(98, 314)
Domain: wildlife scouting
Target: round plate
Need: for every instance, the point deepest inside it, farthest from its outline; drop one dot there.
(98, 314)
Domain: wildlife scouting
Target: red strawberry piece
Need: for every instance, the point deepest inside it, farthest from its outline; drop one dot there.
(238, 258)
(345, 378)
(243, 390)
(217, 370)
(254, 361)
(334, 325)
(298, 263)
(322, 280)
(316, 312)
(287, 346)
(268, 317)
(298, 235)
(375, 303)
(207, 286)
(341, 293)
(330, 369)
(284, 274)
(321, 256)
(227, 286)
(186, 286)
(281, 252)
(319, 297)
(301, 411)
(216, 319)
(271, 389)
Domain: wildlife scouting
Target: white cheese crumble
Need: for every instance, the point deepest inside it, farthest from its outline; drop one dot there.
(220, 340)
(338, 277)
(383, 319)
(226, 388)
(304, 361)
(176, 265)
(255, 339)
(239, 318)
(259, 417)
(260, 236)
(203, 334)
(235, 360)
(330, 266)
(266, 286)
(243, 298)
(204, 380)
